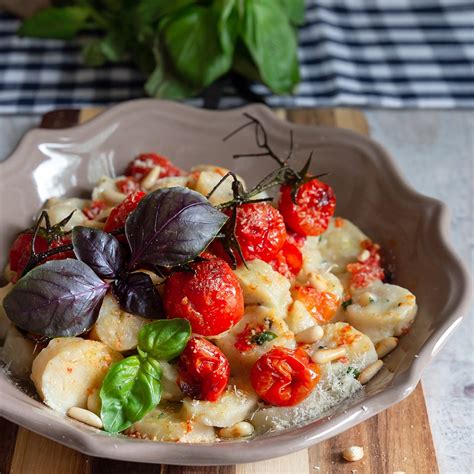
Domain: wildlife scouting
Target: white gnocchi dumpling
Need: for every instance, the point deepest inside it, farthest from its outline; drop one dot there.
(115, 327)
(106, 190)
(340, 244)
(299, 318)
(256, 320)
(59, 209)
(264, 286)
(5, 323)
(169, 382)
(312, 259)
(18, 353)
(170, 182)
(68, 369)
(382, 310)
(165, 423)
(234, 405)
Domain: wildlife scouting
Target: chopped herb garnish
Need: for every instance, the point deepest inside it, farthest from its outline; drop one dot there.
(353, 371)
(371, 300)
(345, 304)
(262, 337)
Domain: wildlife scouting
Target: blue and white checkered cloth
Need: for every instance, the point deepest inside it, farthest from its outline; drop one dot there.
(384, 53)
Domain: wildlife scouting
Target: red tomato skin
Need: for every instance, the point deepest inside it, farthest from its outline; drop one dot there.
(127, 185)
(284, 377)
(322, 305)
(119, 214)
(315, 204)
(288, 260)
(144, 163)
(260, 231)
(210, 298)
(95, 208)
(364, 273)
(203, 370)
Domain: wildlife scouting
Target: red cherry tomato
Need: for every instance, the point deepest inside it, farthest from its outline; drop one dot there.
(20, 251)
(322, 305)
(210, 297)
(368, 271)
(94, 209)
(119, 214)
(144, 163)
(284, 377)
(203, 370)
(127, 185)
(315, 204)
(260, 231)
(288, 260)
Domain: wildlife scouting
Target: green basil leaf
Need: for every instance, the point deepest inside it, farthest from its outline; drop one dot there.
(130, 390)
(149, 11)
(164, 339)
(193, 45)
(272, 44)
(294, 10)
(55, 22)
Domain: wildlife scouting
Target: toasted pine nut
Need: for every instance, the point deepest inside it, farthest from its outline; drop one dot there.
(85, 416)
(323, 356)
(366, 298)
(94, 224)
(113, 197)
(385, 346)
(354, 453)
(363, 256)
(370, 372)
(149, 180)
(310, 335)
(93, 402)
(239, 430)
(318, 282)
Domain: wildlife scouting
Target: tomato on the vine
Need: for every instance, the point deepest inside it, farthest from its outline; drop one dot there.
(260, 231)
(119, 214)
(209, 296)
(310, 214)
(284, 377)
(203, 370)
(369, 270)
(144, 163)
(322, 305)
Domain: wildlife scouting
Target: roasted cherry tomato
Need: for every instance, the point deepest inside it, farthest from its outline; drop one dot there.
(288, 260)
(315, 204)
(127, 185)
(203, 370)
(369, 270)
(119, 214)
(260, 231)
(144, 163)
(284, 377)
(253, 336)
(94, 209)
(322, 305)
(20, 251)
(209, 296)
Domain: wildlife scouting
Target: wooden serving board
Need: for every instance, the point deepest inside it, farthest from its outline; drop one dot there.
(397, 440)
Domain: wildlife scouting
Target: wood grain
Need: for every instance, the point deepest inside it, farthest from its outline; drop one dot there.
(399, 439)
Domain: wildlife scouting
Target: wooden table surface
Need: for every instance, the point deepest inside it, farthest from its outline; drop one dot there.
(398, 439)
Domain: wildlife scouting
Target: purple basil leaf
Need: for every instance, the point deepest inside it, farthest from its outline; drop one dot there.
(171, 226)
(100, 250)
(58, 298)
(136, 294)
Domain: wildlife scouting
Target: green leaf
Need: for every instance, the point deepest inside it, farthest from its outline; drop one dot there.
(130, 390)
(194, 47)
(92, 54)
(164, 339)
(271, 42)
(294, 10)
(55, 22)
(149, 11)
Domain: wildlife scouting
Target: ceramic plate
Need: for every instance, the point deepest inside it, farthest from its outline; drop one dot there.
(370, 192)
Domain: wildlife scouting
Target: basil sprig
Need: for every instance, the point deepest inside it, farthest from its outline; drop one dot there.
(132, 387)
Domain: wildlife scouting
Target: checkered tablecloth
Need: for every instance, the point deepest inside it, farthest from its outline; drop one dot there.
(384, 53)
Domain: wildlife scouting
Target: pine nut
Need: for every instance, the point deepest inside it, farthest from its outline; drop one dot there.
(149, 180)
(366, 298)
(85, 416)
(385, 346)
(310, 335)
(363, 256)
(370, 372)
(93, 402)
(113, 197)
(239, 430)
(354, 453)
(323, 356)
(318, 282)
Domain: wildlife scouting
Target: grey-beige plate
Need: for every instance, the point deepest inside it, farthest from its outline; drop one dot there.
(370, 191)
